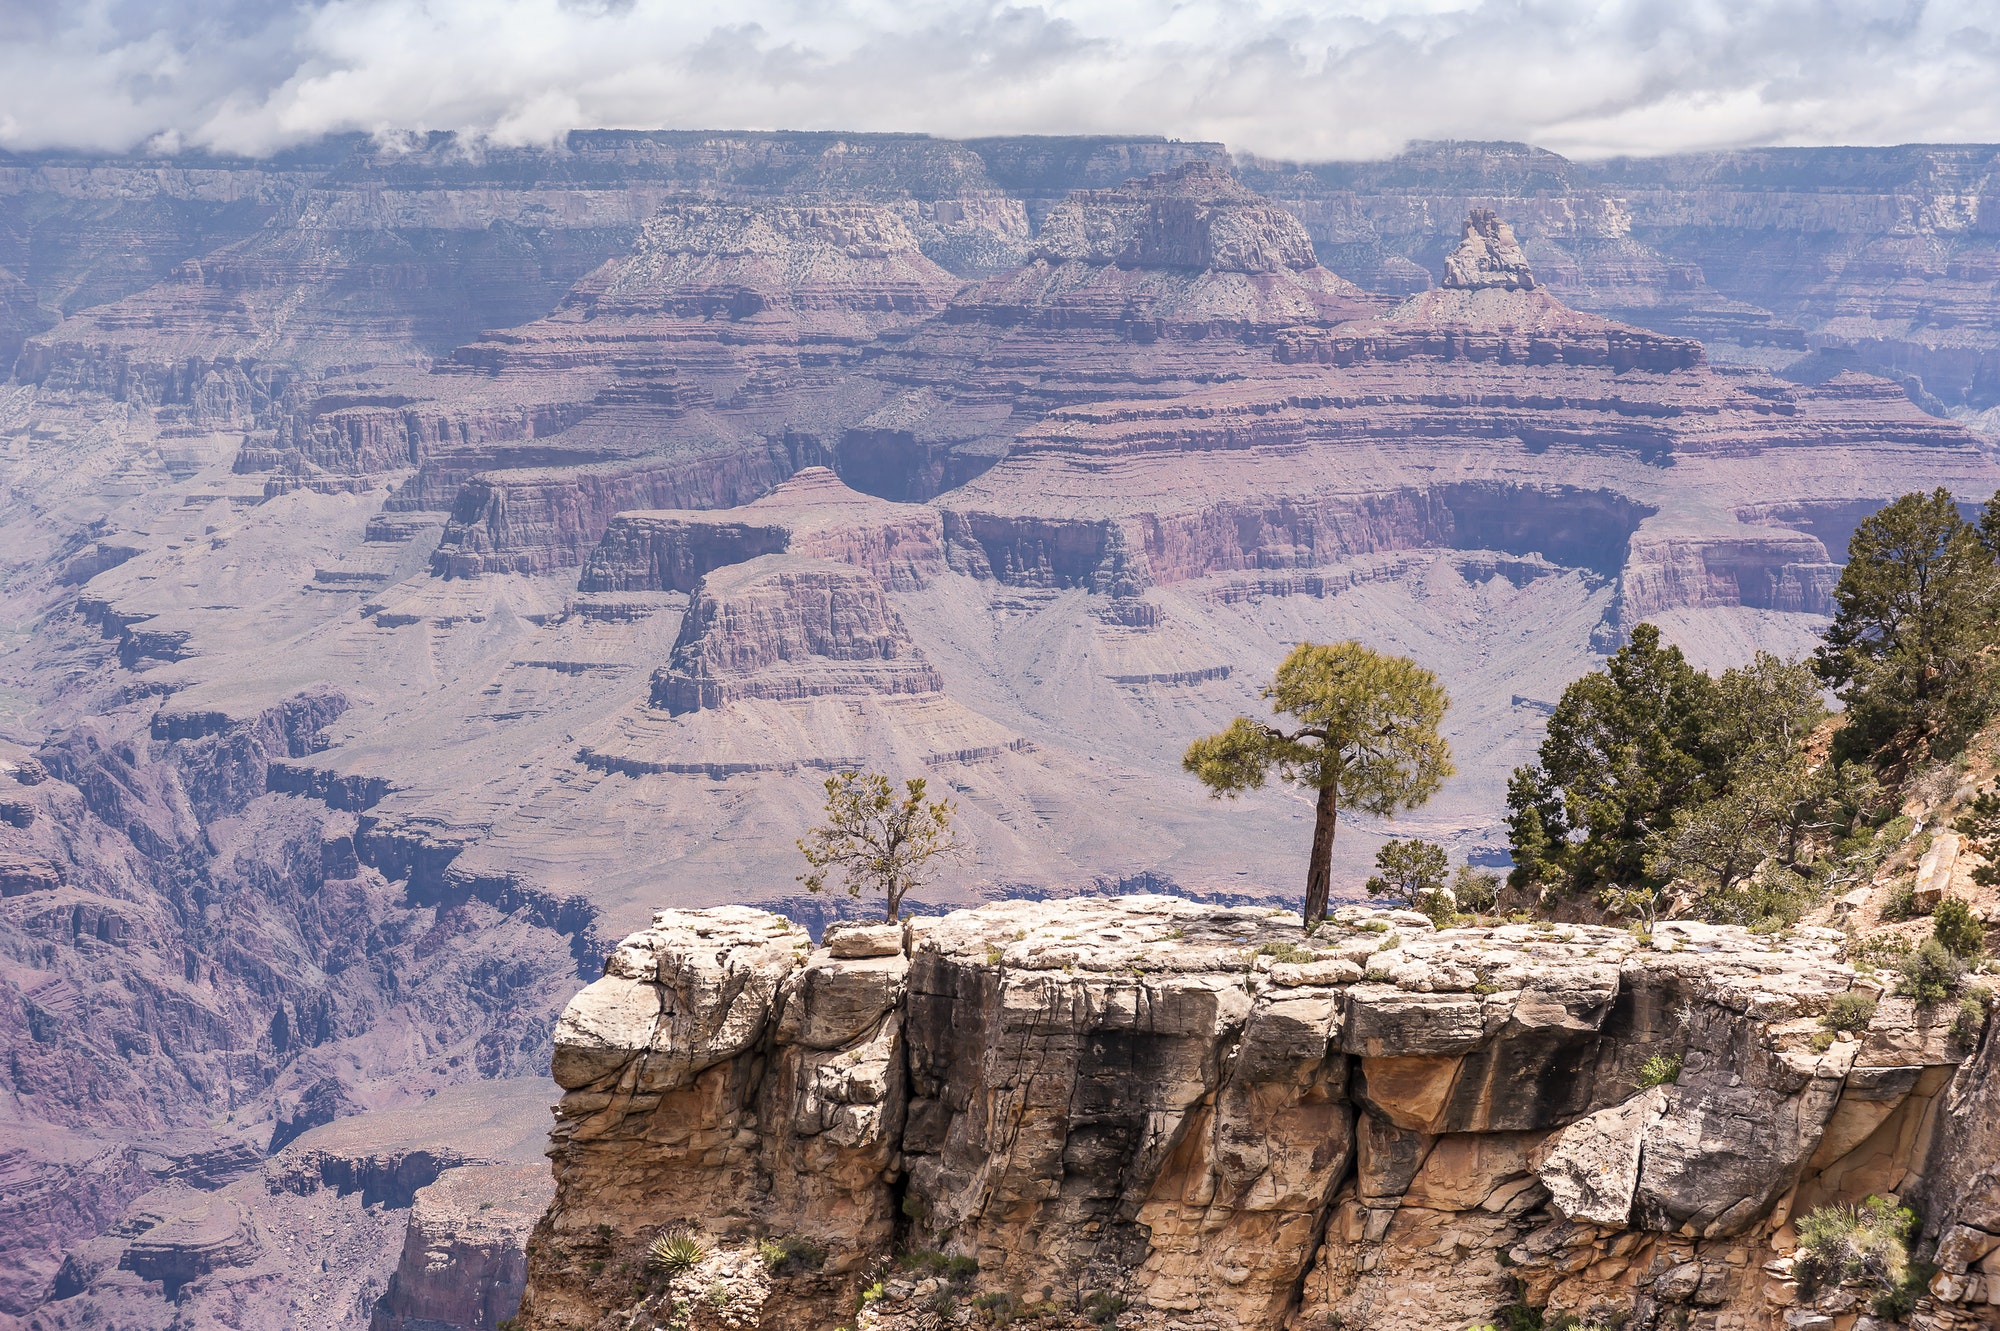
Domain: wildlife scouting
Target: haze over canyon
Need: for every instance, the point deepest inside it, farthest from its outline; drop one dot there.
(425, 561)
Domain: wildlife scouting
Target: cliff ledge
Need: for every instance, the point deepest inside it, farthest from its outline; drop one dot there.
(1161, 1114)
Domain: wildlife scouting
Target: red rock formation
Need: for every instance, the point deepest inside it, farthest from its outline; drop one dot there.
(1488, 257)
(781, 627)
(813, 514)
(1503, 400)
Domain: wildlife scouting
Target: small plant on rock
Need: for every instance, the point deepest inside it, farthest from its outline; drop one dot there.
(1411, 874)
(1930, 974)
(1961, 932)
(1849, 1013)
(1477, 890)
(998, 1309)
(1660, 1070)
(790, 1253)
(1901, 903)
(676, 1251)
(1971, 1020)
(1870, 954)
(1103, 1308)
(1869, 1242)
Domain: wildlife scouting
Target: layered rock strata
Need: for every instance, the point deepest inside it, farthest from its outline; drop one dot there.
(1487, 257)
(716, 338)
(784, 627)
(1152, 1112)
(811, 514)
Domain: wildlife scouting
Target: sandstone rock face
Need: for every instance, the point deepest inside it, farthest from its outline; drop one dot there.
(781, 627)
(1754, 252)
(464, 1259)
(1196, 1116)
(1488, 257)
(810, 514)
(834, 268)
(1194, 216)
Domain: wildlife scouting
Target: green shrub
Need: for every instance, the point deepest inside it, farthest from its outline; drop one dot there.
(1476, 890)
(1930, 974)
(1960, 931)
(1285, 950)
(1660, 1070)
(1867, 954)
(790, 1253)
(1103, 1308)
(1971, 1019)
(1901, 903)
(929, 1261)
(1850, 1013)
(997, 1309)
(676, 1251)
(1869, 1242)
(718, 1294)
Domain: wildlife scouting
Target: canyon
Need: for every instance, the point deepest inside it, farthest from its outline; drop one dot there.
(423, 565)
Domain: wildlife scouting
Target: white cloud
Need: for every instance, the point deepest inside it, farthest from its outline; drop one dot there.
(1340, 78)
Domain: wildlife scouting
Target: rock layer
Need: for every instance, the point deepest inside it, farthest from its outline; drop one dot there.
(1195, 1116)
(811, 514)
(783, 628)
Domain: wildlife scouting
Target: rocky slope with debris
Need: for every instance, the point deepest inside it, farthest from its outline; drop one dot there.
(1153, 1113)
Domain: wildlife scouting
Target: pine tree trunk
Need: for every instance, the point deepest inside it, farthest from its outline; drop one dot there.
(1319, 869)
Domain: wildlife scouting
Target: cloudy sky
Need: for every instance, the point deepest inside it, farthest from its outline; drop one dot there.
(1303, 79)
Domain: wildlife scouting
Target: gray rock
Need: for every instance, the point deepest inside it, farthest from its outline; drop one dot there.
(1591, 1167)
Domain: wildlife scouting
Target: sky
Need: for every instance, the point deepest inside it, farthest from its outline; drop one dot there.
(1301, 81)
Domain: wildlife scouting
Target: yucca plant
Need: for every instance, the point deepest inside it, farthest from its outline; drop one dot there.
(675, 1251)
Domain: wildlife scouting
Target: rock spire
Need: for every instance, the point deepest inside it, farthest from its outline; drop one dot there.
(1488, 257)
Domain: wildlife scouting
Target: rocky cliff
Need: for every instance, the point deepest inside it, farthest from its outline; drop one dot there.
(1150, 1112)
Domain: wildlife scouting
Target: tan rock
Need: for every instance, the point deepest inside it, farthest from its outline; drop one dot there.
(1934, 869)
(847, 941)
(1134, 1094)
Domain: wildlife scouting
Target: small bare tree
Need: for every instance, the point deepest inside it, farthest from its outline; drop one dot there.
(877, 840)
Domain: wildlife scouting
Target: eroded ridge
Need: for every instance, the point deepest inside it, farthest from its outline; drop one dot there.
(1169, 1114)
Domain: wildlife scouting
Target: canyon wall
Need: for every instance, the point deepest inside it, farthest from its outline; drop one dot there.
(1152, 1112)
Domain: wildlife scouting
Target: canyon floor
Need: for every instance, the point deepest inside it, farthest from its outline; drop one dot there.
(421, 567)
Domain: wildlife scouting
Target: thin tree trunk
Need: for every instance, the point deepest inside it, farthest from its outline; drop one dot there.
(1319, 869)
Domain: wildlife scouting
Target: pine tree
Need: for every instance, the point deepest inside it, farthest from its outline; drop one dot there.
(1367, 738)
(1913, 615)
